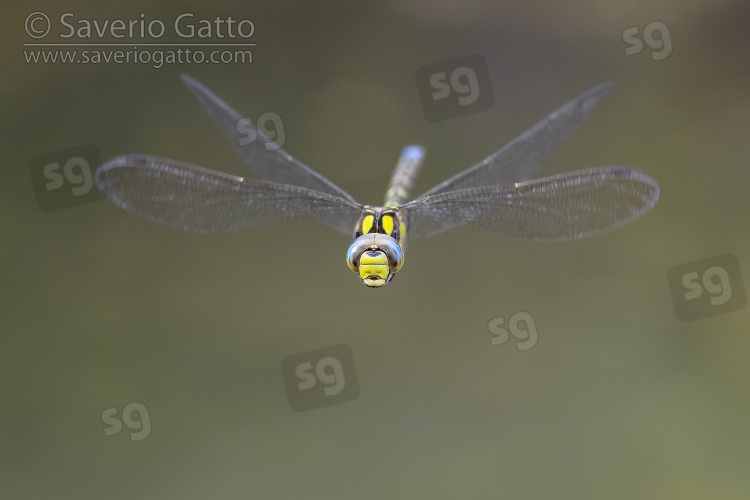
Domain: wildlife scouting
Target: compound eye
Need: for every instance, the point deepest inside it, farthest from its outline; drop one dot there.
(392, 249)
(356, 249)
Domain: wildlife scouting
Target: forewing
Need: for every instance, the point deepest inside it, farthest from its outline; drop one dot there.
(523, 158)
(563, 207)
(266, 159)
(196, 199)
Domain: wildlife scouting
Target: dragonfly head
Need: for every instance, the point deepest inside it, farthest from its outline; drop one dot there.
(376, 258)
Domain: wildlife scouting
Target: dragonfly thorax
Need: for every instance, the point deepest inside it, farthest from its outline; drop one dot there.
(380, 220)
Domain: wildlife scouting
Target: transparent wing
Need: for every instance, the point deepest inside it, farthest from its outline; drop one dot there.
(523, 158)
(559, 208)
(196, 199)
(264, 157)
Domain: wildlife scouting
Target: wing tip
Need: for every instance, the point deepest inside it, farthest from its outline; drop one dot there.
(637, 175)
(595, 95)
(189, 81)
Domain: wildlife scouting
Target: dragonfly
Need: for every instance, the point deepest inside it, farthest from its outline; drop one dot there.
(501, 193)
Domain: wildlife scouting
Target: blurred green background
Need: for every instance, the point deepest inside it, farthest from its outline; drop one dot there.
(619, 398)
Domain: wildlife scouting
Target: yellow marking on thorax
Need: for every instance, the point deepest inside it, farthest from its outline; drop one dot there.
(387, 222)
(367, 223)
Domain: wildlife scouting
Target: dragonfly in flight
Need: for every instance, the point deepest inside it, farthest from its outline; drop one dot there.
(500, 194)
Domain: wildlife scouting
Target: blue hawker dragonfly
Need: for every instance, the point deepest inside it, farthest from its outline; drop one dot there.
(499, 194)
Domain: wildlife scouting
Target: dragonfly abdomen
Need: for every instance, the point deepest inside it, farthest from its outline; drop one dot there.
(404, 176)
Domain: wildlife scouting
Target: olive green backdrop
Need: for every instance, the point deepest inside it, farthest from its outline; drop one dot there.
(618, 399)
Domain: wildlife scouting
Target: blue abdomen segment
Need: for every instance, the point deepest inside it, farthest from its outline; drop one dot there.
(413, 153)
